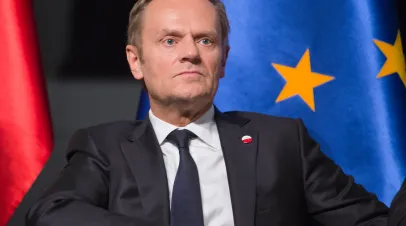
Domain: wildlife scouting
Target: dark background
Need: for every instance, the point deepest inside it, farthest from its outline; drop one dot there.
(82, 45)
(402, 21)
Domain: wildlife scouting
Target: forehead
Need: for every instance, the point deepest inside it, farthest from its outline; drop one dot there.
(181, 14)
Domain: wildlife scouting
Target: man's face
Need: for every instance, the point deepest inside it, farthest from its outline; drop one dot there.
(183, 52)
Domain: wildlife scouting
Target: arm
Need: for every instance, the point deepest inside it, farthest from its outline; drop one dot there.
(333, 198)
(80, 195)
(397, 211)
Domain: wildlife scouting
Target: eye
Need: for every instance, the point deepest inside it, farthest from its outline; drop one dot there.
(169, 42)
(206, 41)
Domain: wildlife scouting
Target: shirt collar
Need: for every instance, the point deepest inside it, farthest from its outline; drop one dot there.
(204, 128)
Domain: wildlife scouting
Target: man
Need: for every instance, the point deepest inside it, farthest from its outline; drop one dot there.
(189, 164)
(397, 213)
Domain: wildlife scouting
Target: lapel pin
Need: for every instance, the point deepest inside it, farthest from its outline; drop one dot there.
(246, 139)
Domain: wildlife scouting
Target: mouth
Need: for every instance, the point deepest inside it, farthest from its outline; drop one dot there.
(190, 73)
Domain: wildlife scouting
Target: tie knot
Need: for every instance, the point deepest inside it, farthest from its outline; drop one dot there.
(181, 138)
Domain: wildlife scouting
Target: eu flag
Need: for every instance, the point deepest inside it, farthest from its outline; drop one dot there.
(143, 105)
(336, 64)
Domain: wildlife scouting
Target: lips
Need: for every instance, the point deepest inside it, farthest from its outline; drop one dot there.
(190, 72)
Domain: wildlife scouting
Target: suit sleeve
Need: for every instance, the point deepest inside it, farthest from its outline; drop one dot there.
(80, 195)
(333, 198)
(397, 213)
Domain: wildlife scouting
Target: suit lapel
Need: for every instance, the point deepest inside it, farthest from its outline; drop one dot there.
(144, 157)
(240, 159)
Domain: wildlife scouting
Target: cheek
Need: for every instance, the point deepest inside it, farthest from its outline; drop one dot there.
(162, 64)
(162, 54)
(157, 65)
(216, 69)
(213, 61)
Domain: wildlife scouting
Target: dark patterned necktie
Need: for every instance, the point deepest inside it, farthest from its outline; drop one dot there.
(186, 209)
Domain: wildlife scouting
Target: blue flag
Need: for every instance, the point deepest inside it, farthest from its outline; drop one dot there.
(336, 64)
(143, 105)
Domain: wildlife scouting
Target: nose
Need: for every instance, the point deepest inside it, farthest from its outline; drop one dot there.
(190, 51)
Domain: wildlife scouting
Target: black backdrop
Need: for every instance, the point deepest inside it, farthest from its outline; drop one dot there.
(82, 47)
(82, 50)
(402, 21)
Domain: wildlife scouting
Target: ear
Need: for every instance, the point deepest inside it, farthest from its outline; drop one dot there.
(134, 61)
(224, 60)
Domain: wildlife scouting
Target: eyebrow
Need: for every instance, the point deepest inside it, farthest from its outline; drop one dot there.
(171, 32)
(178, 33)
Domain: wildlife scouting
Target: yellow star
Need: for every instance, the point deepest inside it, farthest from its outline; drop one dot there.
(395, 61)
(300, 80)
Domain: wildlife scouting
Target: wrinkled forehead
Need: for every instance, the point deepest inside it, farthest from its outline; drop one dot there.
(184, 16)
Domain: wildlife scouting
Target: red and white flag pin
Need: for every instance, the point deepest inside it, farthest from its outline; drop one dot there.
(246, 139)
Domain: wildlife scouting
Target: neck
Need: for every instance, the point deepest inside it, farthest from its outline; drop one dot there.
(179, 116)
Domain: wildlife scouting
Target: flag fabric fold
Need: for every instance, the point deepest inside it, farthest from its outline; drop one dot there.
(336, 64)
(25, 127)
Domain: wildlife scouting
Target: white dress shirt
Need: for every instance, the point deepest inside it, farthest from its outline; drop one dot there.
(208, 156)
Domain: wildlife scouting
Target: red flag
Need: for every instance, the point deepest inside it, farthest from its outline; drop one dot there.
(25, 128)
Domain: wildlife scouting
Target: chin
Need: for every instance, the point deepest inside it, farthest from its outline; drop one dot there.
(192, 96)
(191, 91)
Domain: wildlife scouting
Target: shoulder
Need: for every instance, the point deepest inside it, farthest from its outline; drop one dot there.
(109, 129)
(110, 132)
(284, 128)
(116, 128)
(264, 120)
(100, 141)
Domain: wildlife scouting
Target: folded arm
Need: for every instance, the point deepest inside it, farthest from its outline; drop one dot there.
(333, 198)
(397, 214)
(80, 195)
